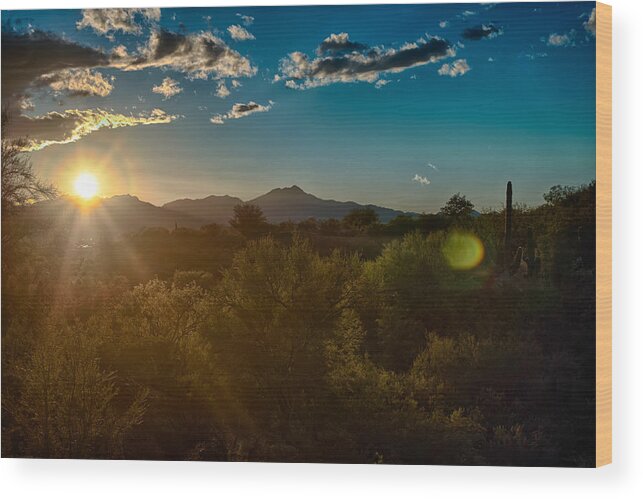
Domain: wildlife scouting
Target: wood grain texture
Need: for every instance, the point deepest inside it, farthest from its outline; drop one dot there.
(603, 234)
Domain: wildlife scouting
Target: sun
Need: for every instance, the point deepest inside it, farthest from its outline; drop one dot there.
(86, 185)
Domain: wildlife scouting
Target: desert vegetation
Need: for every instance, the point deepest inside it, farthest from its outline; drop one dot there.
(432, 339)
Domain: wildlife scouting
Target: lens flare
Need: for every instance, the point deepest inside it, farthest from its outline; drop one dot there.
(463, 251)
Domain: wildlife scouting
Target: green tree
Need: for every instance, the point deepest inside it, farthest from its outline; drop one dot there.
(67, 406)
(249, 220)
(330, 227)
(457, 207)
(361, 218)
(280, 307)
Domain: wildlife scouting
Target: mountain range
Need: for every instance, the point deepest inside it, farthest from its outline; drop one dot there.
(126, 213)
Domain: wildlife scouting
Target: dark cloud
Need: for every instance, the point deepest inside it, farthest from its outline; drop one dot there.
(240, 110)
(199, 55)
(298, 71)
(481, 31)
(27, 56)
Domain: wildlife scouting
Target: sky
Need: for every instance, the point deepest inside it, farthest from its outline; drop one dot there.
(396, 105)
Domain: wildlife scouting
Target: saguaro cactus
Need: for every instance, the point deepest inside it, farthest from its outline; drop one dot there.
(508, 214)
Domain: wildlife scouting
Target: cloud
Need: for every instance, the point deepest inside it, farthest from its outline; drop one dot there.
(420, 179)
(25, 104)
(481, 32)
(239, 33)
(106, 22)
(590, 24)
(431, 165)
(381, 83)
(247, 20)
(27, 56)
(300, 72)
(443, 24)
(456, 68)
(77, 83)
(222, 91)
(198, 55)
(556, 40)
(338, 43)
(74, 124)
(241, 110)
(119, 52)
(168, 88)
(535, 55)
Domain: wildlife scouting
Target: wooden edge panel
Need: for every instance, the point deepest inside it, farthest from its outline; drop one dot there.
(603, 234)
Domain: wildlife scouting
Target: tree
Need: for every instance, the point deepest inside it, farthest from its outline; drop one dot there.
(67, 407)
(361, 218)
(280, 307)
(249, 220)
(458, 206)
(330, 227)
(20, 185)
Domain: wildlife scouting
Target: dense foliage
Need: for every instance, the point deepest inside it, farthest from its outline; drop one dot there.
(340, 341)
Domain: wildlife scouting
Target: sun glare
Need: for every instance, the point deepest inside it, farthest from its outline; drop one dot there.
(86, 185)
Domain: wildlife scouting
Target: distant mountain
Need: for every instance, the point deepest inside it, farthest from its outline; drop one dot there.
(213, 208)
(292, 203)
(118, 215)
(113, 216)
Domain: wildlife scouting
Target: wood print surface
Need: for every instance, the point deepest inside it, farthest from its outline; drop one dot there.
(349, 234)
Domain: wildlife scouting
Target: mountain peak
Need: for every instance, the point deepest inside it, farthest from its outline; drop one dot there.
(122, 197)
(293, 189)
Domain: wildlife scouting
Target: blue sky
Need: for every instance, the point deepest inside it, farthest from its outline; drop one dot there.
(459, 97)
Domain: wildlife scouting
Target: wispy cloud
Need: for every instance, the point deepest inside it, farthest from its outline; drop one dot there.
(572, 38)
(222, 91)
(443, 24)
(77, 83)
(74, 124)
(432, 166)
(241, 110)
(106, 22)
(246, 20)
(420, 179)
(561, 40)
(535, 55)
(590, 24)
(240, 33)
(367, 64)
(168, 88)
(456, 68)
